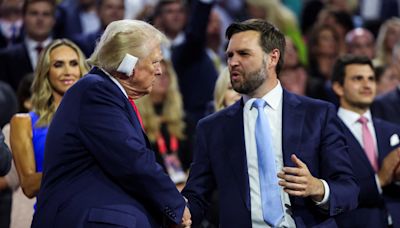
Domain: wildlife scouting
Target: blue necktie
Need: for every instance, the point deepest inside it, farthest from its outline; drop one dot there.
(269, 188)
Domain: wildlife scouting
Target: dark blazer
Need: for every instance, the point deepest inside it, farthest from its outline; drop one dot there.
(98, 166)
(15, 64)
(5, 156)
(4, 42)
(195, 70)
(68, 22)
(387, 106)
(311, 130)
(8, 103)
(372, 210)
(87, 42)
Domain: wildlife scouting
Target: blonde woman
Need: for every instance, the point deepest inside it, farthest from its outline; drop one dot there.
(164, 123)
(60, 65)
(388, 36)
(224, 95)
(284, 19)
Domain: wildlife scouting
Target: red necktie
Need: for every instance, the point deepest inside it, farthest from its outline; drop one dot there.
(136, 111)
(38, 49)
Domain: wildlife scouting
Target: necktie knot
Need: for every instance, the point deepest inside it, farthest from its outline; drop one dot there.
(39, 48)
(259, 104)
(363, 120)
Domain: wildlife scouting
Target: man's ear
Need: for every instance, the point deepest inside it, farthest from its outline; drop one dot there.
(338, 89)
(273, 59)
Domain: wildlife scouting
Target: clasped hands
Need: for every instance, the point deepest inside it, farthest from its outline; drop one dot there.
(298, 181)
(390, 169)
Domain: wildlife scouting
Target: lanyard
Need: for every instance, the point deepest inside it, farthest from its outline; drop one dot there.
(162, 147)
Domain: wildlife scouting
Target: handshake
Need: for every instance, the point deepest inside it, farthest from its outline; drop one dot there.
(186, 219)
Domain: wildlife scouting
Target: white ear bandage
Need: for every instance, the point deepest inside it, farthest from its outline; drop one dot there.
(127, 65)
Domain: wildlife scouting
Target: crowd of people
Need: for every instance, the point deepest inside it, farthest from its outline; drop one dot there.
(144, 74)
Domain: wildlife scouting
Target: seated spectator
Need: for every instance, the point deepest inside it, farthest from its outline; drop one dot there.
(60, 66)
(386, 79)
(10, 22)
(21, 59)
(360, 41)
(340, 21)
(293, 76)
(388, 36)
(76, 17)
(323, 52)
(279, 15)
(108, 11)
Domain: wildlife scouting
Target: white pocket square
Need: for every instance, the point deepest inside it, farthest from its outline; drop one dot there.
(394, 140)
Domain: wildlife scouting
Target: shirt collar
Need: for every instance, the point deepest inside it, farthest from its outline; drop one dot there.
(115, 81)
(273, 97)
(350, 118)
(32, 44)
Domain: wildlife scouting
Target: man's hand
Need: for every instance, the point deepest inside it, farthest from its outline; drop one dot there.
(298, 181)
(186, 219)
(390, 168)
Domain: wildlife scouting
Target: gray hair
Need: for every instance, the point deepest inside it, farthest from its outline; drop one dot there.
(122, 37)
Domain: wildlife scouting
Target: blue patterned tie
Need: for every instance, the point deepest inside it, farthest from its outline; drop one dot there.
(269, 188)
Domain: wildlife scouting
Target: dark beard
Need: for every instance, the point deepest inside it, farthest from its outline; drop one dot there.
(251, 81)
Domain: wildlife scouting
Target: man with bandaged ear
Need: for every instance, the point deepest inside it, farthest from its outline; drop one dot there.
(99, 168)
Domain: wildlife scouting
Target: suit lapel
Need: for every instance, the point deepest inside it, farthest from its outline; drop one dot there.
(292, 124)
(236, 149)
(355, 148)
(379, 131)
(26, 60)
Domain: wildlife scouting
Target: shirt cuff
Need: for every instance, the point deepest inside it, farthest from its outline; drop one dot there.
(324, 203)
(378, 184)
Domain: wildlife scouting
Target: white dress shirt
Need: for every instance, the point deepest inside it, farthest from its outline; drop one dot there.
(350, 119)
(273, 110)
(31, 46)
(90, 22)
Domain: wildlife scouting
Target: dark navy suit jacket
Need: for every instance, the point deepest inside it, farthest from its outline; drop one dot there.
(310, 130)
(195, 70)
(387, 106)
(98, 167)
(68, 21)
(15, 64)
(373, 207)
(87, 42)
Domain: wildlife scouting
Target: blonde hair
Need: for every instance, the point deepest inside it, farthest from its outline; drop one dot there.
(381, 53)
(124, 37)
(221, 86)
(276, 13)
(42, 91)
(172, 110)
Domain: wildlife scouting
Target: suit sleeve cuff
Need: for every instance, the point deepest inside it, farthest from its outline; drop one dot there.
(324, 204)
